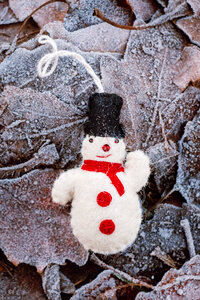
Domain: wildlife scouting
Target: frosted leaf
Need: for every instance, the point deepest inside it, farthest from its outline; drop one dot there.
(173, 9)
(144, 80)
(143, 9)
(190, 26)
(95, 38)
(177, 284)
(30, 119)
(33, 230)
(49, 13)
(163, 3)
(187, 67)
(164, 231)
(66, 286)
(25, 284)
(195, 6)
(163, 165)
(70, 82)
(192, 214)
(103, 287)
(101, 38)
(6, 14)
(47, 155)
(80, 14)
(188, 174)
(53, 282)
(178, 8)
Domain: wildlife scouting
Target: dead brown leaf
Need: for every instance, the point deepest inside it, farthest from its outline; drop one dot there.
(31, 120)
(80, 14)
(6, 14)
(181, 284)
(188, 174)
(103, 287)
(32, 229)
(163, 230)
(143, 9)
(24, 284)
(100, 38)
(190, 26)
(144, 80)
(49, 13)
(188, 67)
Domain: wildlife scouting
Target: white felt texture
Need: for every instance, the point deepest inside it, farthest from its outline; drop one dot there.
(92, 151)
(137, 168)
(84, 186)
(63, 188)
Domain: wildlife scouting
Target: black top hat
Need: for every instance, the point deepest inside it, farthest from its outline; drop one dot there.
(103, 115)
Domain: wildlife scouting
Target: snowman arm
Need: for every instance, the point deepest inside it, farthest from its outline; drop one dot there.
(137, 169)
(63, 187)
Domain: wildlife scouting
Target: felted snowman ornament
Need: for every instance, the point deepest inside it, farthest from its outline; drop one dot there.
(105, 208)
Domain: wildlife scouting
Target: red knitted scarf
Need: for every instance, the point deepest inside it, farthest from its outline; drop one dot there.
(110, 169)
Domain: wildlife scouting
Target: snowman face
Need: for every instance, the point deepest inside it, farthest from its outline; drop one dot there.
(108, 149)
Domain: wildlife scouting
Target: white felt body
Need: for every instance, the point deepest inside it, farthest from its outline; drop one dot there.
(124, 211)
(86, 215)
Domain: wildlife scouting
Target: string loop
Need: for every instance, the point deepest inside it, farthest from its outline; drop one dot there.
(50, 60)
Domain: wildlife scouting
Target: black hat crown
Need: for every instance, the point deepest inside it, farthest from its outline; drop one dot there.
(103, 115)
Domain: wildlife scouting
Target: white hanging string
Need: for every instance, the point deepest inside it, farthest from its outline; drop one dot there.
(52, 59)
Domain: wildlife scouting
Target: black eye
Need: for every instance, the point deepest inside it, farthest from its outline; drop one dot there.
(116, 141)
(91, 140)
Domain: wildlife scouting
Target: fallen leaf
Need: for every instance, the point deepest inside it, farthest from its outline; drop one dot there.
(144, 80)
(164, 231)
(143, 9)
(190, 26)
(177, 284)
(33, 230)
(164, 165)
(46, 156)
(49, 13)
(187, 67)
(6, 14)
(24, 284)
(103, 287)
(101, 37)
(80, 14)
(194, 4)
(66, 286)
(53, 282)
(178, 8)
(188, 174)
(29, 120)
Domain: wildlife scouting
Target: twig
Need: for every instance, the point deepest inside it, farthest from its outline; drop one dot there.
(14, 42)
(26, 36)
(7, 268)
(97, 13)
(35, 10)
(122, 274)
(163, 133)
(164, 257)
(188, 234)
(156, 22)
(159, 201)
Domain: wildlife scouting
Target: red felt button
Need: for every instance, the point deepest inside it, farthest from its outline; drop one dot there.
(107, 227)
(106, 148)
(104, 199)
